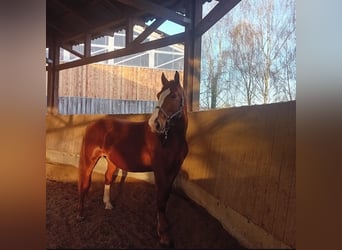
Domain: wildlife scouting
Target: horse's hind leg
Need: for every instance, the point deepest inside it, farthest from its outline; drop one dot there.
(110, 173)
(86, 167)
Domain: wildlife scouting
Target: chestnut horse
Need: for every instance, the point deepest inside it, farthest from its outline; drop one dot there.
(157, 145)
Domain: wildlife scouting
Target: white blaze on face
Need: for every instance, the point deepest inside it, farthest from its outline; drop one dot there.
(154, 115)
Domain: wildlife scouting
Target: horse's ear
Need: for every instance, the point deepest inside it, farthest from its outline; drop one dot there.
(177, 77)
(163, 79)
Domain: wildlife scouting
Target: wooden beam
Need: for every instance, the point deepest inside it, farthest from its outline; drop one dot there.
(113, 24)
(222, 8)
(192, 56)
(53, 80)
(119, 24)
(87, 45)
(158, 10)
(69, 48)
(56, 28)
(111, 7)
(73, 13)
(148, 30)
(107, 32)
(131, 49)
(129, 31)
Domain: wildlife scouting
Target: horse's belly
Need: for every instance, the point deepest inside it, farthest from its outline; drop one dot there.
(132, 162)
(135, 168)
(139, 170)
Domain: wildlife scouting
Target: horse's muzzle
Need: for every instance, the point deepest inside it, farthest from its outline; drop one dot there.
(160, 126)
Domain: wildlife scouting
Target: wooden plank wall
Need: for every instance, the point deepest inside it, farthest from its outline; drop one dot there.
(113, 82)
(245, 158)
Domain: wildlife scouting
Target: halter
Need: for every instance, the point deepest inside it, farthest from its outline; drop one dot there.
(170, 117)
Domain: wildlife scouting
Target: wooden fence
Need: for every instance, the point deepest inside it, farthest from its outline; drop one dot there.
(108, 89)
(113, 82)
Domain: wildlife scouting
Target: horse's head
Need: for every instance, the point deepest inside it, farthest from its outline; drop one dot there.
(171, 105)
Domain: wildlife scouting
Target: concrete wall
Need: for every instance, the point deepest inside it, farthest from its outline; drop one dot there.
(240, 167)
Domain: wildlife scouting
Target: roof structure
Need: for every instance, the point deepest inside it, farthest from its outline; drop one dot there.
(69, 23)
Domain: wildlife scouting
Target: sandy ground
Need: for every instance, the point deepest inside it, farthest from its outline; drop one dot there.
(132, 222)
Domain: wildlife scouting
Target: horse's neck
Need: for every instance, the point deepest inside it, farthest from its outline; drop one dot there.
(182, 126)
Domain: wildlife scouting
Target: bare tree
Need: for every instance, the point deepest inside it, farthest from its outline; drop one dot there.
(249, 55)
(214, 73)
(266, 35)
(245, 45)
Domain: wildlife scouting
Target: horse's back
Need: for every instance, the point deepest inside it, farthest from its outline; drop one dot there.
(108, 124)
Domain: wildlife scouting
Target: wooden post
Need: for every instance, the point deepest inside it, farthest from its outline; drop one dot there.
(129, 31)
(192, 56)
(53, 80)
(87, 45)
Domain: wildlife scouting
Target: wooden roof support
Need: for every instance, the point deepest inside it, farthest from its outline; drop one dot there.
(118, 23)
(122, 22)
(130, 49)
(194, 25)
(192, 53)
(192, 56)
(70, 11)
(222, 8)
(129, 31)
(69, 48)
(158, 10)
(53, 80)
(56, 28)
(148, 31)
(87, 45)
(112, 7)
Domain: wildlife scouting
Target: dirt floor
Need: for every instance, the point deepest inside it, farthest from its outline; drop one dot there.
(132, 222)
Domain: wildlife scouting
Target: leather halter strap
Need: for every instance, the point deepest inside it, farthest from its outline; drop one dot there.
(170, 117)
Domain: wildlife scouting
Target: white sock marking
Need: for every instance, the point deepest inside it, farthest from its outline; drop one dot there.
(106, 197)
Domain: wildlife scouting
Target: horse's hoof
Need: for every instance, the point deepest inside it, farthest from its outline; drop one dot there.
(108, 206)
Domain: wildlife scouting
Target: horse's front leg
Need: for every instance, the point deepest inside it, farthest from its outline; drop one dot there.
(164, 187)
(163, 228)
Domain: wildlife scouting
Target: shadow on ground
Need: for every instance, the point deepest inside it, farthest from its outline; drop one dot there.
(132, 222)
